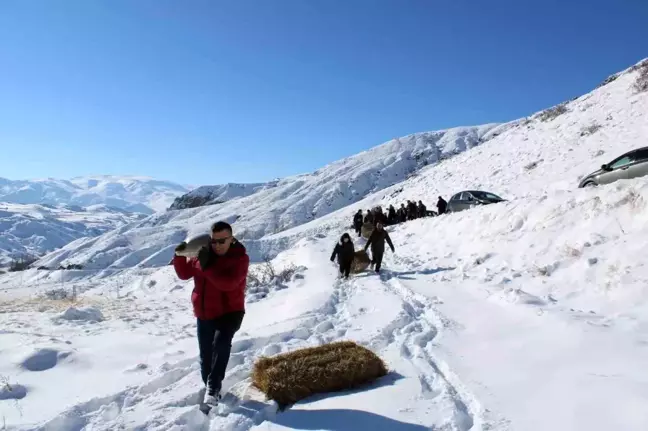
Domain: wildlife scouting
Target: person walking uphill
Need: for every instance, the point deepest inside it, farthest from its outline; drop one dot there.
(357, 222)
(345, 251)
(377, 242)
(442, 206)
(218, 298)
(392, 218)
(369, 218)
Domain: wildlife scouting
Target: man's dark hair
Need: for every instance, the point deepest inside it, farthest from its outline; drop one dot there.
(220, 226)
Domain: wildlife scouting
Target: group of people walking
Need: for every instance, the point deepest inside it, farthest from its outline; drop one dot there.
(220, 271)
(409, 211)
(345, 250)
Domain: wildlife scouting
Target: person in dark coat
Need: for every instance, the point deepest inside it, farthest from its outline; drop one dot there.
(357, 222)
(442, 205)
(402, 213)
(369, 218)
(422, 209)
(345, 251)
(411, 210)
(219, 273)
(379, 216)
(377, 243)
(392, 218)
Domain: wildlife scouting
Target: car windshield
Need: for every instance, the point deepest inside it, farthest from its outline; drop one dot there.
(486, 196)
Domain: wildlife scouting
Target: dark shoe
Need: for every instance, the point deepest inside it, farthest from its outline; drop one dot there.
(212, 397)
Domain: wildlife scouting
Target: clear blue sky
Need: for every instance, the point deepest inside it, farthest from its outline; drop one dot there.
(209, 91)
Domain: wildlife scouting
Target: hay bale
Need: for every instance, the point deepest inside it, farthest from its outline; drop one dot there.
(290, 377)
(361, 262)
(367, 228)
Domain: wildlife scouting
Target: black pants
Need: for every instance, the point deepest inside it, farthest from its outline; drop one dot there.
(376, 258)
(358, 229)
(215, 343)
(345, 268)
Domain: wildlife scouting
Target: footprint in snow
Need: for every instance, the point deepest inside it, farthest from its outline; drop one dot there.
(12, 392)
(43, 359)
(271, 350)
(324, 326)
(136, 368)
(301, 334)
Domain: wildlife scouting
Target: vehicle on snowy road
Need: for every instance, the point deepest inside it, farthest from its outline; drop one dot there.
(632, 164)
(471, 198)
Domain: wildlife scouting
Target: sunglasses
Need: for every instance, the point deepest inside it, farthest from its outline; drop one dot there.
(220, 241)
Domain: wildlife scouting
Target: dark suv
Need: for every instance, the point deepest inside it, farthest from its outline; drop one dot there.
(632, 164)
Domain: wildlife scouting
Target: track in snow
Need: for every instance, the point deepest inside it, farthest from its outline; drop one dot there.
(170, 400)
(414, 333)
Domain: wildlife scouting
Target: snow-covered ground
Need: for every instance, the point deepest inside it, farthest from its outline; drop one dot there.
(33, 230)
(524, 315)
(135, 194)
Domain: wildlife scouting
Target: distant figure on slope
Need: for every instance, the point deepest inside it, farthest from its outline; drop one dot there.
(422, 209)
(344, 250)
(411, 210)
(357, 222)
(402, 214)
(442, 205)
(219, 272)
(391, 215)
(377, 243)
(369, 218)
(379, 216)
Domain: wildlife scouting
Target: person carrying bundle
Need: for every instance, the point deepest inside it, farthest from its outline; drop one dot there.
(345, 251)
(377, 243)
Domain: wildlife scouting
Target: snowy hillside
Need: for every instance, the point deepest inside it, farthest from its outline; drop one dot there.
(37, 229)
(135, 194)
(279, 205)
(208, 195)
(346, 181)
(525, 315)
(551, 149)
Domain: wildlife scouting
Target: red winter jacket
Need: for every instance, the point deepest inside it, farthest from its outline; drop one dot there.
(220, 288)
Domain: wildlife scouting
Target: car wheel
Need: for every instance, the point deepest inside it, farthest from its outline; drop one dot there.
(590, 184)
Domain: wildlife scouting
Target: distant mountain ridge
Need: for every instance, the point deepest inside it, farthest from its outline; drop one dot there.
(33, 229)
(209, 195)
(132, 193)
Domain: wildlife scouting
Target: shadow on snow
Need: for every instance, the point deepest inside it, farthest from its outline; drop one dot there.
(342, 420)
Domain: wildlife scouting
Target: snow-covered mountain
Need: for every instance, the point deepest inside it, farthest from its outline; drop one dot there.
(529, 314)
(574, 138)
(350, 179)
(33, 230)
(132, 193)
(279, 205)
(565, 137)
(210, 195)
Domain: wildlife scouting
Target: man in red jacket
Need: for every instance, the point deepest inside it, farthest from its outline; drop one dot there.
(219, 272)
